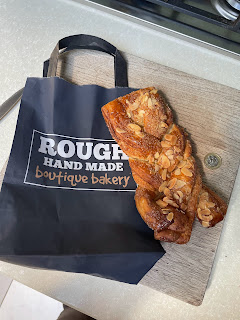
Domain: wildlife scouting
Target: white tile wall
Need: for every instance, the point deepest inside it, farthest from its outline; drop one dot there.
(23, 303)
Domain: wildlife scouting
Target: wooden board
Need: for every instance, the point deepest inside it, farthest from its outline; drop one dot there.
(211, 115)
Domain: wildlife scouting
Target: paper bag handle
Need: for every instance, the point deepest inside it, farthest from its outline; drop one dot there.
(84, 41)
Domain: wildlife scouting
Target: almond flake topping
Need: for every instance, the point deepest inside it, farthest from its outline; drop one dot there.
(170, 216)
(165, 161)
(177, 172)
(165, 144)
(180, 184)
(163, 125)
(134, 127)
(150, 103)
(162, 186)
(120, 130)
(156, 156)
(186, 172)
(164, 174)
(161, 203)
(172, 183)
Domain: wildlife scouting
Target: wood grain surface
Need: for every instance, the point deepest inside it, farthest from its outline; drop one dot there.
(210, 113)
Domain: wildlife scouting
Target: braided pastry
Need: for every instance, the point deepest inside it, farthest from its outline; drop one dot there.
(170, 191)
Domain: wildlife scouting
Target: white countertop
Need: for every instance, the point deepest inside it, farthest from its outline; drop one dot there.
(29, 30)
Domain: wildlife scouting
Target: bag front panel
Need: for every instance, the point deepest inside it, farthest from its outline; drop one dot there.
(68, 187)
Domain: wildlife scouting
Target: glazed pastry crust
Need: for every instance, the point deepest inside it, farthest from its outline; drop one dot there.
(170, 192)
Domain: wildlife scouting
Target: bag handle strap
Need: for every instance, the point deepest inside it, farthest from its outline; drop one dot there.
(84, 41)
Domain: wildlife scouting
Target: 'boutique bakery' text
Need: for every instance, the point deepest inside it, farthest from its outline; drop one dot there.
(79, 163)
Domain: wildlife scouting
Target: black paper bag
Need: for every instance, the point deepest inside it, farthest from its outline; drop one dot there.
(67, 199)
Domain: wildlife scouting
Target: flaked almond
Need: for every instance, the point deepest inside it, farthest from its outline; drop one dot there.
(164, 174)
(177, 172)
(156, 156)
(167, 192)
(181, 164)
(180, 193)
(180, 184)
(204, 195)
(205, 224)
(177, 149)
(134, 127)
(165, 161)
(188, 150)
(207, 218)
(171, 168)
(202, 204)
(150, 103)
(170, 157)
(200, 216)
(176, 196)
(127, 101)
(154, 91)
(171, 202)
(171, 138)
(154, 102)
(183, 206)
(166, 199)
(170, 216)
(186, 172)
(140, 134)
(134, 106)
(168, 137)
(162, 186)
(199, 211)
(206, 212)
(145, 98)
(129, 114)
(161, 203)
(166, 211)
(174, 140)
(180, 158)
(119, 130)
(169, 152)
(172, 183)
(165, 144)
(163, 125)
(156, 168)
(150, 158)
(189, 164)
(210, 204)
(141, 113)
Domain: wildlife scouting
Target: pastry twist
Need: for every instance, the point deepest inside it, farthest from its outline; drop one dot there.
(170, 191)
